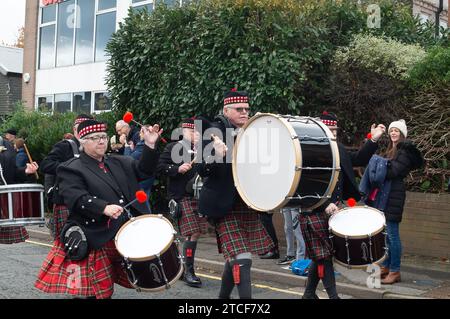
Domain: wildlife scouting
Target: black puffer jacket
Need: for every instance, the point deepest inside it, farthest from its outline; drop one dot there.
(408, 158)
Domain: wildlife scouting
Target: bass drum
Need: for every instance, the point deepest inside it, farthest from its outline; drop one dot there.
(285, 161)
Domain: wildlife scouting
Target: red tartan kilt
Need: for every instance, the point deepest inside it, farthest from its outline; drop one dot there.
(189, 222)
(13, 234)
(242, 232)
(58, 220)
(316, 235)
(92, 276)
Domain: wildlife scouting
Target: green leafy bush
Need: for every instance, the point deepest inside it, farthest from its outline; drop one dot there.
(433, 70)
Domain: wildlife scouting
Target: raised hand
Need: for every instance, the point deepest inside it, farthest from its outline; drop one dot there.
(151, 134)
(219, 146)
(377, 131)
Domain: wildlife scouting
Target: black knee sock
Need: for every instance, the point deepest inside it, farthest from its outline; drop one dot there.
(227, 283)
(245, 283)
(329, 281)
(189, 248)
(312, 282)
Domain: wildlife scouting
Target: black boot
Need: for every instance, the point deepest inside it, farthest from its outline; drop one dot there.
(241, 269)
(227, 283)
(189, 277)
(312, 282)
(329, 281)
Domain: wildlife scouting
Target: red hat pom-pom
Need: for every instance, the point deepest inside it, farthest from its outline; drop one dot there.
(369, 136)
(128, 117)
(325, 113)
(233, 90)
(351, 202)
(141, 196)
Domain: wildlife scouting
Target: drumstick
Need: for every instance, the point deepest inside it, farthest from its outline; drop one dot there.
(30, 159)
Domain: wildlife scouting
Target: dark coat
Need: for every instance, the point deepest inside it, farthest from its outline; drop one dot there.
(10, 171)
(176, 187)
(354, 159)
(87, 190)
(218, 194)
(61, 152)
(408, 158)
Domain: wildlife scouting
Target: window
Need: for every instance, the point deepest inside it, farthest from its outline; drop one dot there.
(48, 14)
(47, 47)
(139, 5)
(47, 29)
(85, 32)
(82, 102)
(102, 102)
(45, 104)
(66, 30)
(63, 103)
(105, 27)
(106, 4)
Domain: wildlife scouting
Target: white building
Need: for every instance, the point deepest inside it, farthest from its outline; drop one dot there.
(65, 61)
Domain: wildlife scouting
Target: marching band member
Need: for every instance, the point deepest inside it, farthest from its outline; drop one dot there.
(177, 162)
(62, 151)
(94, 188)
(239, 229)
(314, 224)
(10, 174)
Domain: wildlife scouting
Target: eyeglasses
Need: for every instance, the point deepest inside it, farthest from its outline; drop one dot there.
(240, 109)
(97, 138)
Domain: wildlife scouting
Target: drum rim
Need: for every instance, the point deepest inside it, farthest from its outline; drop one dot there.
(298, 162)
(147, 258)
(377, 262)
(17, 188)
(358, 236)
(175, 279)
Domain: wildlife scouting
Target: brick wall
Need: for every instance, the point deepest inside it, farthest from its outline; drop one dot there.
(424, 230)
(10, 92)
(29, 53)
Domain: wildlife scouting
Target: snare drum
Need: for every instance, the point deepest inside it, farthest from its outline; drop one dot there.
(150, 254)
(285, 161)
(358, 236)
(21, 204)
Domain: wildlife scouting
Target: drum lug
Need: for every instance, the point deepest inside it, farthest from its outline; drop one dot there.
(163, 272)
(348, 251)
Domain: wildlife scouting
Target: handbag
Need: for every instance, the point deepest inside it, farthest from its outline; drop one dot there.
(74, 241)
(174, 209)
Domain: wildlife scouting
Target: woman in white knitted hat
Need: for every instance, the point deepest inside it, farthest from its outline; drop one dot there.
(403, 157)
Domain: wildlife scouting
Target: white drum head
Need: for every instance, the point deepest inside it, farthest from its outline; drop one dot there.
(357, 221)
(264, 162)
(144, 237)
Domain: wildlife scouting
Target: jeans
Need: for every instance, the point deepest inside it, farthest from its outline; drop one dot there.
(394, 245)
(293, 231)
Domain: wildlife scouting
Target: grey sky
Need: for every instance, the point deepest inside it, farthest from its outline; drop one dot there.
(12, 17)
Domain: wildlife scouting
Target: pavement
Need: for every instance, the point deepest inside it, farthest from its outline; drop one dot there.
(422, 277)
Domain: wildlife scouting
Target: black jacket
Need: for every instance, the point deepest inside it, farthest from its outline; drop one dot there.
(218, 194)
(10, 171)
(176, 187)
(87, 190)
(61, 152)
(408, 158)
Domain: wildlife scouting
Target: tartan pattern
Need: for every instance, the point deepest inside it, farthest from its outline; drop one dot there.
(315, 232)
(58, 220)
(190, 222)
(241, 231)
(13, 235)
(92, 276)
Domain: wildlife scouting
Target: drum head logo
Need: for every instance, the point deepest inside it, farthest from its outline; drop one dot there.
(364, 251)
(157, 276)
